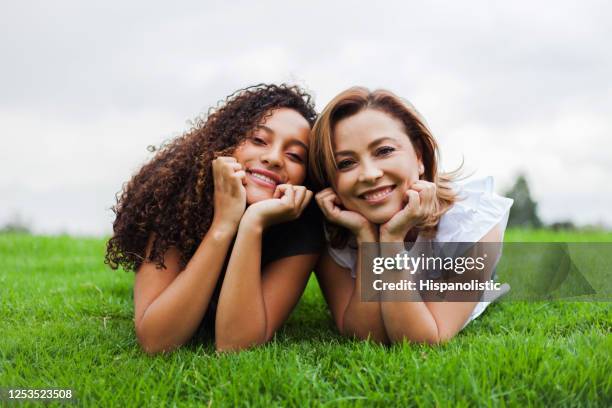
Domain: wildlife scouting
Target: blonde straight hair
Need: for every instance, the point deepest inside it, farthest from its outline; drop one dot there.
(323, 167)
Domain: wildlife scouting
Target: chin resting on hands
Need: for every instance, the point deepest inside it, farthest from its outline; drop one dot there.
(422, 205)
(286, 204)
(330, 205)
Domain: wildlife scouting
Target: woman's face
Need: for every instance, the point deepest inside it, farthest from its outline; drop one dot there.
(275, 153)
(376, 164)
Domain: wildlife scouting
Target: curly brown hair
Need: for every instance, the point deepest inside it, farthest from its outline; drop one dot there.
(170, 198)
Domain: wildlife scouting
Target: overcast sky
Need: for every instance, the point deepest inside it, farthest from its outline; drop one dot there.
(510, 87)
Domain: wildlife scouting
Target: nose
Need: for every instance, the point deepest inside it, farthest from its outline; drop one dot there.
(273, 156)
(369, 172)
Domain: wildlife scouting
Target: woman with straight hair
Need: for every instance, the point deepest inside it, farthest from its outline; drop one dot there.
(376, 162)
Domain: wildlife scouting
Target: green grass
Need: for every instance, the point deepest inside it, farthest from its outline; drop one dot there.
(66, 322)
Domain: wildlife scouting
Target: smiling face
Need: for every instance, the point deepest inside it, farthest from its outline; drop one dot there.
(275, 153)
(376, 164)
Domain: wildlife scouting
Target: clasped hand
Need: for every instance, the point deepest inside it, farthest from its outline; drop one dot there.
(420, 205)
(286, 204)
(357, 224)
(230, 194)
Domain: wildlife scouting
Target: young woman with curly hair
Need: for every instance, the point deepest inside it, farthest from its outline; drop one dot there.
(217, 225)
(378, 164)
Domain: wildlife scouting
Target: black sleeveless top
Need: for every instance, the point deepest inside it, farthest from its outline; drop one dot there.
(298, 237)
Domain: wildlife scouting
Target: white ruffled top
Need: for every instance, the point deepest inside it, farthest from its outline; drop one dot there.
(475, 213)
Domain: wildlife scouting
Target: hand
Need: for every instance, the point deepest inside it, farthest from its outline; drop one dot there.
(421, 207)
(230, 193)
(330, 203)
(286, 204)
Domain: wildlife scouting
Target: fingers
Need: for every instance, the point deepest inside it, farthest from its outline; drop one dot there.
(225, 166)
(328, 194)
(426, 189)
(324, 193)
(225, 159)
(220, 162)
(281, 190)
(414, 200)
(228, 175)
(428, 197)
(294, 198)
(326, 200)
(234, 171)
(286, 192)
(289, 196)
(421, 185)
(413, 206)
(234, 166)
(300, 194)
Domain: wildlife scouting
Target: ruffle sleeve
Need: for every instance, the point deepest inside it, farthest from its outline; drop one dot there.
(475, 213)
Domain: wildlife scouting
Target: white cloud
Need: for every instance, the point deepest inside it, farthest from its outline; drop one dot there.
(511, 86)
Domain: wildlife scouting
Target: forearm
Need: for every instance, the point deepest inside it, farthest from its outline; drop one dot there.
(174, 316)
(241, 315)
(363, 319)
(410, 320)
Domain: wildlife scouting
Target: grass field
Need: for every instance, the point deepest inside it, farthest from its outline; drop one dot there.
(67, 323)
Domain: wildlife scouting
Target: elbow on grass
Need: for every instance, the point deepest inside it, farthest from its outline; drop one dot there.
(151, 351)
(365, 335)
(151, 345)
(234, 347)
(431, 339)
(229, 338)
(222, 347)
(226, 345)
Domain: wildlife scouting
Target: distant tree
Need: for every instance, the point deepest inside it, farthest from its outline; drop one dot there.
(524, 210)
(15, 224)
(563, 225)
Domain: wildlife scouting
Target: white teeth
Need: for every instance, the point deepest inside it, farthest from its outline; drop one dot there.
(378, 194)
(264, 178)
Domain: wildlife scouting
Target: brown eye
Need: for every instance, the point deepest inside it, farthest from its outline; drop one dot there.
(258, 141)
(385, 151)
(344, 164)
(296, 157)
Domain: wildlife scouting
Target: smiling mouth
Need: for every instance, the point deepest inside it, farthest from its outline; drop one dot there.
(378, 195)
(262, 179)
